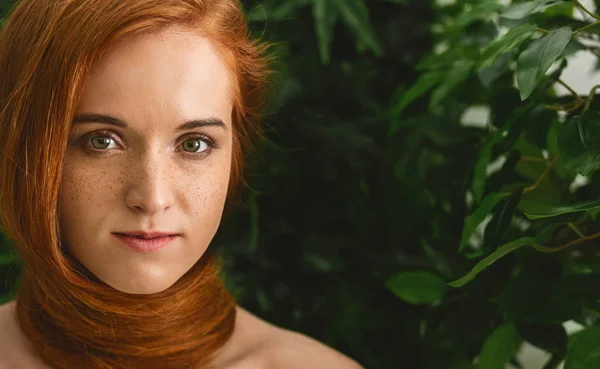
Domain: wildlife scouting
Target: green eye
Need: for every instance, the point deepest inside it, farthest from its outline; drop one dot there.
(100, 142)
(192, 145)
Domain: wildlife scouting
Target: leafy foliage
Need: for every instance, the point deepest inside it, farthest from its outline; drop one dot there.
(529, 227)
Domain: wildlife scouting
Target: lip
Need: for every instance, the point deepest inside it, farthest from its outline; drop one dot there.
(145, 245)
(144, 234)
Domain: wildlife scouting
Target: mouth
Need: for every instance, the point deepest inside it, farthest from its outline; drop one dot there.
(146, 235)
(143, 238)
(143, 244)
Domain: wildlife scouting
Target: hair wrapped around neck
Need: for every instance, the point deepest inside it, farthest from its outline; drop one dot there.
(91, 325)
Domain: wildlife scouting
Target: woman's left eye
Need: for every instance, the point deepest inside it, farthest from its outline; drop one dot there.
(196, 145)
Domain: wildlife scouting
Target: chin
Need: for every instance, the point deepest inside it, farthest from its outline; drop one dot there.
(140, 281)
(140, 288)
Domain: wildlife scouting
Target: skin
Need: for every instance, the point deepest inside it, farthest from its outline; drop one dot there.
(144, 177)
(148, 176)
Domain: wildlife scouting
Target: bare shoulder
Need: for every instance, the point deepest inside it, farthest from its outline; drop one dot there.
(16, 350)
(293, 350)
(258, 344)
(6, 311)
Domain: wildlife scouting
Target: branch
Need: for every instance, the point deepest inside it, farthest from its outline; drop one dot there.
(590, 98)
(533, 159)
(591, 25)
(541, 177)
(571, 90)
(550, 250)
(569, 107)
(580, 6)
(566, 108)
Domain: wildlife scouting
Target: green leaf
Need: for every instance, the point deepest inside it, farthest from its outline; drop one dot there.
(561, 10)
(479, 173)
(483, 11)
(439, 61)
(511, 40)
(355, 14)
(522, 10)
(472, 221)
(287, 9)
(499, 348)
(325, 18)
(553, 211)
(490, 74)
(454, 77)
(584, 350)
(424, 83)
(534, 62)
(491, 259)
(579, 143)
(572, 47)
(418, 287)
(503, 216)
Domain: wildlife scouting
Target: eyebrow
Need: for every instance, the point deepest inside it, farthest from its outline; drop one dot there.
(107, 119)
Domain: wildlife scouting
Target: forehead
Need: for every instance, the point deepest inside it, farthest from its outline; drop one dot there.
(161, 74)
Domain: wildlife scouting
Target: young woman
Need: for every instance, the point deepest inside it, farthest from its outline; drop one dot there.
(123, 126)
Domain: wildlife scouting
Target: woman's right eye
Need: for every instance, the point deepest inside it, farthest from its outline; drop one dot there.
(98, 141)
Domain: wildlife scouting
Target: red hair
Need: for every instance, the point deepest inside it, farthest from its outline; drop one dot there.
(74, 320)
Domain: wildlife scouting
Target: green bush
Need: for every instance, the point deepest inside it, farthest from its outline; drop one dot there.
(527, 191)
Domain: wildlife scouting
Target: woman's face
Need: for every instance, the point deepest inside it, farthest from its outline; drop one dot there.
(147, 172)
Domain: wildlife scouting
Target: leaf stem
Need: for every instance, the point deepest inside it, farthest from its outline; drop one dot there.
(566, 108)
(533, 159)
(580, 6)
(541, 177)
(576, 230)
(571, 90)
(550, 250)
(571, 106)
(543, 30)
(591, 25)
(590, 98)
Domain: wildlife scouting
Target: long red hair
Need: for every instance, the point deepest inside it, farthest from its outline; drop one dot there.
(74, 320)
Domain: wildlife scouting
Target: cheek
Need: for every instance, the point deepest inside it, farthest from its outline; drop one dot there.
(84, 190)
(210, 191)
(207, 191)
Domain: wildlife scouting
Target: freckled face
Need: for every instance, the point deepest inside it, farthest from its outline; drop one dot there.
(148, 175)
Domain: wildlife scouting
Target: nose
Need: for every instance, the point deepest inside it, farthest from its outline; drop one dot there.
(149, 187)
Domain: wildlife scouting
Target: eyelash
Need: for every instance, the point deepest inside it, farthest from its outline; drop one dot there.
(84, 143)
